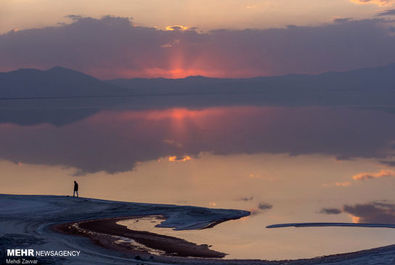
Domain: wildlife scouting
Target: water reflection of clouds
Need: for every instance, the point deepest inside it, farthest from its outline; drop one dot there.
(372, 212)
(384, 173)
(115, 140)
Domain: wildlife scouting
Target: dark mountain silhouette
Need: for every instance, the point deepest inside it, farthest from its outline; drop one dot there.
(30, 96)
(369, 86)
(55, 82)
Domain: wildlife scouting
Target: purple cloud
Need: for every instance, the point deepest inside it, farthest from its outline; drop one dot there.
(113, 47)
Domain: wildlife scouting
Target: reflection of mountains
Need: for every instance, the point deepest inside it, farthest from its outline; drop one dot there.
(56, 117)
(116, 140)
(61, 96)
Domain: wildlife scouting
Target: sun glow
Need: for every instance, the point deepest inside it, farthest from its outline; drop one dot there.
(178, 63)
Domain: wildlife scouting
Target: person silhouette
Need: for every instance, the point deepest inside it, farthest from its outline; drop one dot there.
(75, 189)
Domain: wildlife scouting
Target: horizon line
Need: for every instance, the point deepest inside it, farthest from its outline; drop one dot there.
(190, 76)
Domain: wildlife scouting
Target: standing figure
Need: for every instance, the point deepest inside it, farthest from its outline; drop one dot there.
(75, 189)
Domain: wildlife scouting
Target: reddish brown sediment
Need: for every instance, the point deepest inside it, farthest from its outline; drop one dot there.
(107, 233)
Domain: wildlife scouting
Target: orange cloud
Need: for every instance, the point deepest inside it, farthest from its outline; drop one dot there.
(179, 159)
(356, 219)
(374, 2)
(374, 175)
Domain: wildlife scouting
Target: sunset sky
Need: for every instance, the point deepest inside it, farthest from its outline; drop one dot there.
(203, 14)
(292, 148)
(179, 38)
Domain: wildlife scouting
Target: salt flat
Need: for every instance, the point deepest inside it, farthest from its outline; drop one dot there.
(26, 221)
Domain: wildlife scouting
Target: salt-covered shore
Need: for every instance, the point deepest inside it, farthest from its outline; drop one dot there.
(28, 222)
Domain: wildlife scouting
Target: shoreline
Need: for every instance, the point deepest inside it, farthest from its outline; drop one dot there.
(106, 232)
(109, 234)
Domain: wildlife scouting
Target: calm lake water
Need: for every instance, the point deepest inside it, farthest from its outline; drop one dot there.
(284, 164)
(248, 239)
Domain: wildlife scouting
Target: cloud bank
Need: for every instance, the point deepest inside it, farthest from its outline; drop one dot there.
(384, 173)
(112, 47)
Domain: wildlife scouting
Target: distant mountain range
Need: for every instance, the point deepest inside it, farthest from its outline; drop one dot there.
(368, 86)
(55, 82)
